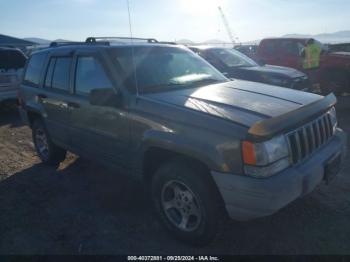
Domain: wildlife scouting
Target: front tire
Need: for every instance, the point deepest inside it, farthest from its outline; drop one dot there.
(47, 151)
(187, 202)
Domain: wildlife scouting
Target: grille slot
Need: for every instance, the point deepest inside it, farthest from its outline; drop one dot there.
(308, 138)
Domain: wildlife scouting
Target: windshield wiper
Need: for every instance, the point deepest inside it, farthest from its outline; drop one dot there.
(206, 81)
(160, 87)
(171, 86)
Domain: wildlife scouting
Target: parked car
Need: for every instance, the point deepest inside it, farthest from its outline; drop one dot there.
(206, 147)
(12, 61)
(248, 50)
(333, 75)
(236, 65)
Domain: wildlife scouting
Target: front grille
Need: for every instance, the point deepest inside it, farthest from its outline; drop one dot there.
(305, 140)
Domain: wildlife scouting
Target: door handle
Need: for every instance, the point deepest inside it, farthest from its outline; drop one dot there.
(73, 105)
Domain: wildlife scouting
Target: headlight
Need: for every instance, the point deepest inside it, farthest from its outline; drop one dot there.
(278, 82)
(267, 158)
(274, 80)
(334, 121)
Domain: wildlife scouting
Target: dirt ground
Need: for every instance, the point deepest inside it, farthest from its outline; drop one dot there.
(85, 208)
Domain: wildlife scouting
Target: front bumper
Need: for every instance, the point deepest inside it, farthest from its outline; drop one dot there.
(247, 198)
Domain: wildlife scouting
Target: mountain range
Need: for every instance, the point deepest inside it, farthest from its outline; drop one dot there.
(340, 36)
(336, 37)
(42, 41)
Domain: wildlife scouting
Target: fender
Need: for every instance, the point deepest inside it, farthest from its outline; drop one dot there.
(189, 147)
(31, 107)
(34, 105)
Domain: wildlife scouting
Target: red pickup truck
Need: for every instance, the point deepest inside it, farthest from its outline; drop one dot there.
(333, 74)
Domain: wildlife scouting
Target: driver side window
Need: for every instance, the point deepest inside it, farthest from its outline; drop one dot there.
(90, 75)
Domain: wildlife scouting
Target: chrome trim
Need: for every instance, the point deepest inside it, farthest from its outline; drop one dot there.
(316, 133)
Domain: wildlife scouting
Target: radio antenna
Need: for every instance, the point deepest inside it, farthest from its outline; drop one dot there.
(132, 49)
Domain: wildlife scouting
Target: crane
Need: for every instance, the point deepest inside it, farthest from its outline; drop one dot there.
(227, 26)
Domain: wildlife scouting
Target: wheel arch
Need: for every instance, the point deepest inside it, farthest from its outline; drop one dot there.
(154, 156)
(33, 115)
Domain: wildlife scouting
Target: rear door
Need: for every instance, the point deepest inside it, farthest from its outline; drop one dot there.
(56, 96)
(99, 131)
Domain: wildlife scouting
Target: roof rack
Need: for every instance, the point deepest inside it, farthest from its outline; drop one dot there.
(106, 41)
(167, 43)
(57, 44)
(95, 39)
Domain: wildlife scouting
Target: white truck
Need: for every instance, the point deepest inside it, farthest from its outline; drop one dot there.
(12, 61)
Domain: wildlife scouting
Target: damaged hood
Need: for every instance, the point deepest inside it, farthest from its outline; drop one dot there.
(239, 101)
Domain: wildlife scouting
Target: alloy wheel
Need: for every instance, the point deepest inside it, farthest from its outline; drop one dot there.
(181, 206)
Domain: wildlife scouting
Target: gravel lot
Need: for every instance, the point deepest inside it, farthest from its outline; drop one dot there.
(85, 208)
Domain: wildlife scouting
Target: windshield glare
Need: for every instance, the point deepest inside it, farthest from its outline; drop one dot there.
(165, 68)
(232, 58)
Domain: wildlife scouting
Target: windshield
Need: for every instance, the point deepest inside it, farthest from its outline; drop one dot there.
(232, 58)
(164, 68)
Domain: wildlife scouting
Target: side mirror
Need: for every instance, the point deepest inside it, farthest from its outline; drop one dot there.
(105, 97)
(302, 53)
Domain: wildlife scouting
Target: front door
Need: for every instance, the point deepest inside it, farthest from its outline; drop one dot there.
(98, 131)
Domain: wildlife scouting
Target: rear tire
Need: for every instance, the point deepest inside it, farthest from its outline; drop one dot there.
(187, 202)
(48, 152)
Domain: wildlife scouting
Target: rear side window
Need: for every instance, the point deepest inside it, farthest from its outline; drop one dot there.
(58, 73)
(291, 47)
(33, 72)
(90, 75)
(270, 47)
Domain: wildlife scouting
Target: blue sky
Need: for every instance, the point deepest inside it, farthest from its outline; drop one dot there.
(171, 20)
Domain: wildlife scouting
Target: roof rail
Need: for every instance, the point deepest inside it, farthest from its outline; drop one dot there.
(106, 41)
(95, 39)
(167, 43)
(57, 44)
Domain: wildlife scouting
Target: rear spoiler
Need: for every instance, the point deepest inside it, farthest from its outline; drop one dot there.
(268, 128)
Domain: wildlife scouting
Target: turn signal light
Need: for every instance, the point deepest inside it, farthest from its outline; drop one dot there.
(248, 153)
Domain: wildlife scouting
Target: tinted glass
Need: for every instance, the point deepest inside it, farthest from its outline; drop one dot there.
(292, 47)
(60, 79)
(48, 78)
(90, 75)
(232, 58)
(165, 68)
(11, 59)
(33, 72)
(270, 47)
